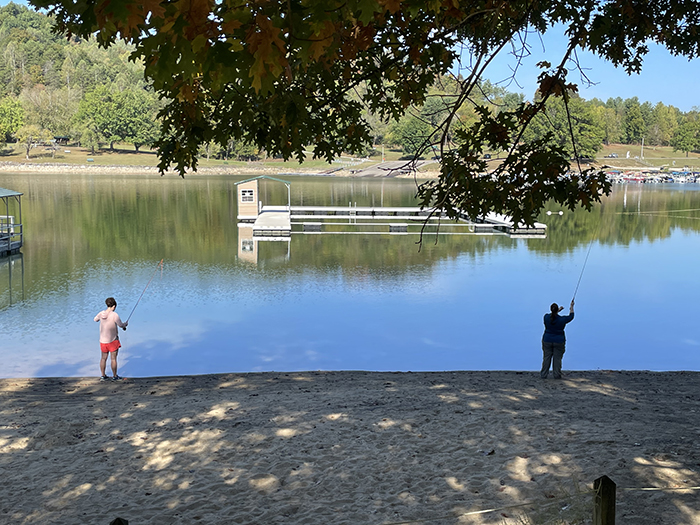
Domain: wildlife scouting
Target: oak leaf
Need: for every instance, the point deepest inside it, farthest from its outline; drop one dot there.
(268, 51)
(321, 40)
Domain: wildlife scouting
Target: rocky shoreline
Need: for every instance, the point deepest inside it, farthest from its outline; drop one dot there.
(251, 169)
(55, 167)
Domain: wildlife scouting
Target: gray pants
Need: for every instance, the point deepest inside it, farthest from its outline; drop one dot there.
(552, 354)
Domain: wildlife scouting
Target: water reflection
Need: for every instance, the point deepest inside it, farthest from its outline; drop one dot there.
(337, 302)
(12, 279)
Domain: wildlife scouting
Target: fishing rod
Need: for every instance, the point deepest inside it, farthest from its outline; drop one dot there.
(159, 265)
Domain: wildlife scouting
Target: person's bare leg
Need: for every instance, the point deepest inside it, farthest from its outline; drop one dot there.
(103, 364)
(113, 355)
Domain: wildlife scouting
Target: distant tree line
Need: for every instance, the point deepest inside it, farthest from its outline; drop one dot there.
(56, 88)
(593, 123)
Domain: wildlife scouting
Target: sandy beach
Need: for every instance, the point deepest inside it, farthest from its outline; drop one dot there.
(350, 448)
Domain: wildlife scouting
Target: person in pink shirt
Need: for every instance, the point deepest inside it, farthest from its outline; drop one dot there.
(109, 337)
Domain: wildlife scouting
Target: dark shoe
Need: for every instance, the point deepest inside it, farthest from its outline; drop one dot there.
(104, 378)
(117, 378)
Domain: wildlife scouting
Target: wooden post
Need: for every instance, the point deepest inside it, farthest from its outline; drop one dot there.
(604, 508)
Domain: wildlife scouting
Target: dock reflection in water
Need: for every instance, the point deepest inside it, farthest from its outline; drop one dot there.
(261, 221)
(11, 280)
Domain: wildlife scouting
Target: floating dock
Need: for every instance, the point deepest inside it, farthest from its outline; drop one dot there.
(273, 221)
(281, 221)
(276, 221)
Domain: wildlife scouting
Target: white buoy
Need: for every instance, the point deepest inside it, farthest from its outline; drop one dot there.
(549, 213)
(561, 213)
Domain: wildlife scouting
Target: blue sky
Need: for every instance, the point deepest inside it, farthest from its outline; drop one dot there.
(664, 78)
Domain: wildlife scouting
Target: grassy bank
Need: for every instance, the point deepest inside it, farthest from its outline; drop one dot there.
(650, 156)
(125, 155)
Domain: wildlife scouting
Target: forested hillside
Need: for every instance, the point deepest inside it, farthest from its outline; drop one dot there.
(72, 90)
(54, 87)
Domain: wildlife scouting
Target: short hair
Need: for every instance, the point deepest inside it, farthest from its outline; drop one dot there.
(110, 302)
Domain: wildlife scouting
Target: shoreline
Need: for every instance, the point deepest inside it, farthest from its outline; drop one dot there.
(350, 447)
(36, 168)
(253, 169)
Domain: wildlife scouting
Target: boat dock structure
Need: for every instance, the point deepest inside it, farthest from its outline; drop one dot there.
(277, 222)
(11, 233)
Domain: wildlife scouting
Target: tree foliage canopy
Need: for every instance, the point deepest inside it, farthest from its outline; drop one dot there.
(11, 117)
(282, 75)
(126, 115)
(687, 137)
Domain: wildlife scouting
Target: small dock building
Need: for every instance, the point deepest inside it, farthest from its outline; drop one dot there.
(259, 221)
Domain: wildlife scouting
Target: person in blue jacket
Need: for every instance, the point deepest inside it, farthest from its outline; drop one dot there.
(554, 339)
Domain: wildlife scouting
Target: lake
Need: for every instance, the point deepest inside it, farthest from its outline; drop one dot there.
(338, 302)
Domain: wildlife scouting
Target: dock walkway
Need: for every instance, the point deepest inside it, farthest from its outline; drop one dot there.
(282, 221)
(273, 221)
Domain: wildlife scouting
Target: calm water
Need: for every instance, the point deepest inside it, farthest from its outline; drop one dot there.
(341, 302)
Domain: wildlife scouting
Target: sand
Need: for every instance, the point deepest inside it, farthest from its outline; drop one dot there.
(349, 448)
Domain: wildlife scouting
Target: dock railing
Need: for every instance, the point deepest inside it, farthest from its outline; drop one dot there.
(11, 235)
(7, 223)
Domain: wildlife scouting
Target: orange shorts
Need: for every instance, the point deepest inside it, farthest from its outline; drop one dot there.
(110, 347)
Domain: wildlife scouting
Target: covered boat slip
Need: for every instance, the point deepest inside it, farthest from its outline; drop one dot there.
(11, 234)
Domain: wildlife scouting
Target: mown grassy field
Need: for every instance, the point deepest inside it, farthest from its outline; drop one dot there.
(652, 156)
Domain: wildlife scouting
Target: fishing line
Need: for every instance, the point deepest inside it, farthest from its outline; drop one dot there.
(656, 211)
(649, 213)
(160, 265)
(590, 245)
(667, 215)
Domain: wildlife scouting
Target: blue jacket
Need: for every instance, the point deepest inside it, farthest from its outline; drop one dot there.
(554, 331)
